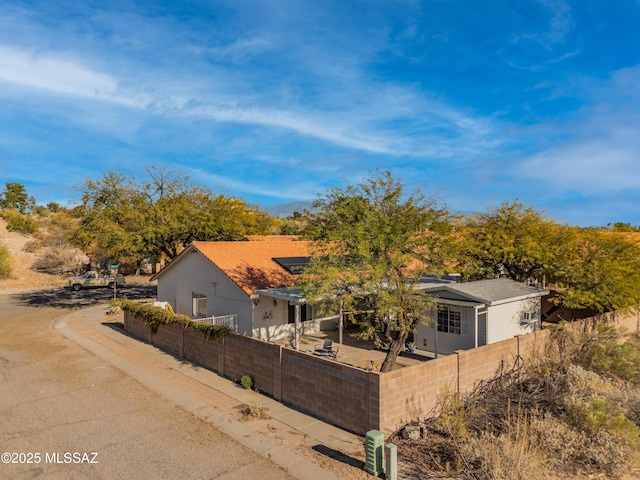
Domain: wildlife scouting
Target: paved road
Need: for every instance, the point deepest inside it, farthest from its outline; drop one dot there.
(60, 405)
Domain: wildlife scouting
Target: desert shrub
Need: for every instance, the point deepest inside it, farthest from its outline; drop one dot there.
(583, 383)
(32, 246)
(61, 260)
(570, 450)
(605, 352)
(19, 222)
(5, 262)
(505, 457)
(453, 419)
(247, 382)
(253, 410)
(597, 415)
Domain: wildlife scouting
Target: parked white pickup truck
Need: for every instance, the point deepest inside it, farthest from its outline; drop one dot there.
(92, 279)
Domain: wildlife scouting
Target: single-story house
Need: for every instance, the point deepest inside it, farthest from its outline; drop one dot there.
(478, 313)
(246, 285)
(246, 281)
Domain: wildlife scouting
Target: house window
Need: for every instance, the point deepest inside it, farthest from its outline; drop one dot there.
(450, 321)
(527, 318)
(199, 305)
(292, 313)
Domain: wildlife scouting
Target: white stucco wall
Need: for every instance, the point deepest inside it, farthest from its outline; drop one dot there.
(504, 319)
(271, 320)
(502, 322)
(195, 274)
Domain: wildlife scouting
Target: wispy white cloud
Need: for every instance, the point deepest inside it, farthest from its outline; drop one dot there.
(369, 125)
(561, 21)
(544, 44)
(56, 75)
(595, 148)
(589, 167)
(259, 187)
(238, 50)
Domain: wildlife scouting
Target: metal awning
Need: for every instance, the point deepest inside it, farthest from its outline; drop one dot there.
(289, 294)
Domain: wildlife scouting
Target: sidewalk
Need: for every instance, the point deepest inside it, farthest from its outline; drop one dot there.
(213, 398)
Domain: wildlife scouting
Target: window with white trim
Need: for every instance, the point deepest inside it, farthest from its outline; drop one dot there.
(527, 318)
(199, 305)
(451, 321)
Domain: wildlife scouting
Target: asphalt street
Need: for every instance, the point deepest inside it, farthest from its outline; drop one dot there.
(67, 414)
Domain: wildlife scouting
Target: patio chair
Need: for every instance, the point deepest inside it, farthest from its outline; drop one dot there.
(326, 348)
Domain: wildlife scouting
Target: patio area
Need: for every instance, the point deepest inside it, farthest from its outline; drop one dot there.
(357, 353)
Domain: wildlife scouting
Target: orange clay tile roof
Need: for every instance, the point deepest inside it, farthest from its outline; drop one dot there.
(250, 264)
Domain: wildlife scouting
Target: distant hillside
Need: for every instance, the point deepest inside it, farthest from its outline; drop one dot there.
(287, 209)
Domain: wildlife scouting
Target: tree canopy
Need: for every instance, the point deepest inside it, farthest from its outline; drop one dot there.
(130, 221)
(510, 239)
(372, 243)
(586, 267)
(596, 269)
(15, 197)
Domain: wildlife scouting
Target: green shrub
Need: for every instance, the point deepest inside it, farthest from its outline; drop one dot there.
(5, 262)
(19, 222)
(598, 415)
(247, 382)
(604, 352)
(454, 415)
(155, 316)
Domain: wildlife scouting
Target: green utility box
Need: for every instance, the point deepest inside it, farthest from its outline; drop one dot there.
(374, 452)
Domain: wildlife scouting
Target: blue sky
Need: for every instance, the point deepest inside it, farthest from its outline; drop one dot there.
(276, 101)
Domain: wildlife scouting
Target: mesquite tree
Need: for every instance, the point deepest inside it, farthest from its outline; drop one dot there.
(372, 244)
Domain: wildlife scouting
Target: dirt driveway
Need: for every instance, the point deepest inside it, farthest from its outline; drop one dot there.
(71, 415)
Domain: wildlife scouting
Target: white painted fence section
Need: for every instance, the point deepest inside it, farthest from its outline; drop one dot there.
(230, 321)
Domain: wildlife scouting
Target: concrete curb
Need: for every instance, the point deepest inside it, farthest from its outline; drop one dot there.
(161, 372)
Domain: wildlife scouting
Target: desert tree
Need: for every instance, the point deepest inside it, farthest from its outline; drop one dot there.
(586, 267)
(371, 245)
(15, 197)
(596, 269)
(510, 239)
(129, 220)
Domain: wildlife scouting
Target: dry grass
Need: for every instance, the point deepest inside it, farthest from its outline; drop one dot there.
(254, 411)
(551, 418)
(23, 276)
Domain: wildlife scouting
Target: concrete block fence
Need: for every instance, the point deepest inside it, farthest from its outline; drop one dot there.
(346, 396)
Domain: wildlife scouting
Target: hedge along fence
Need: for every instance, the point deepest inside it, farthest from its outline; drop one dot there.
(156, 316)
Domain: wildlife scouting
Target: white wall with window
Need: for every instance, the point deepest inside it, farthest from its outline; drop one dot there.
(197, 288)
(452, 326)
(507, 320)
(198, 305)
(274, 318)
